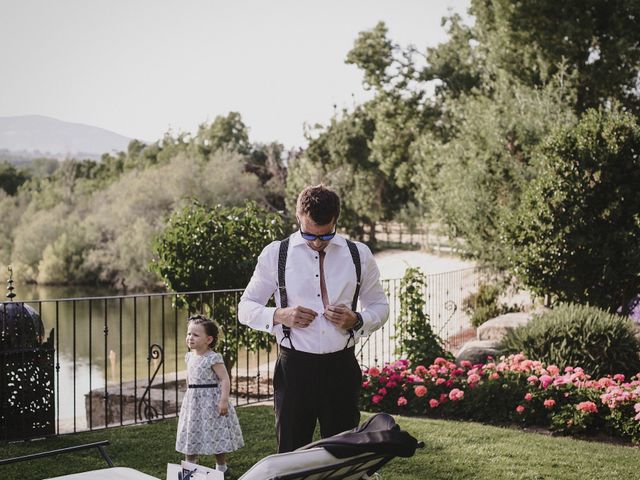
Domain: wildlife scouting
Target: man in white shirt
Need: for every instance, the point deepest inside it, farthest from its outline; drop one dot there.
(317, 376)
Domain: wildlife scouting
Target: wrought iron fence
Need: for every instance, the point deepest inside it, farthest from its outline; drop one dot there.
(120, 359)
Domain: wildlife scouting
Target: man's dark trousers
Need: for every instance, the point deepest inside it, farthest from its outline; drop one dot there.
(313, 387)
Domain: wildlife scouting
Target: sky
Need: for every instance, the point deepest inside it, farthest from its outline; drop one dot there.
(143, 67)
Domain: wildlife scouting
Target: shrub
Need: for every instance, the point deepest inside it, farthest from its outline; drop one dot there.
(417, 339)
(515, 389)
(600, 342)
(483, 305)
(216, 248)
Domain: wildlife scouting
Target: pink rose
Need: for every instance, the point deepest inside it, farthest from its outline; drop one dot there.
(440, 381)
(553, 370)
(391, 384)
(494, 376)
(433, 403)
(519, 409)
(475, 378)
(528, 397)
(545, 381)
(373, 372)
(376, 399)
(549, 403)
(365, 384)
(402, 401)
(420, 370)
(587, 407)
(420, 391)
(465, 363)
(382, 391)
(532, 379)
(618, 377)
(456, 394)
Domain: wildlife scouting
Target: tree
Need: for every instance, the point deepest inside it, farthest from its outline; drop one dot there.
(217, 248)
(228, 132)
(365, 153)
(339, 156)
(576, 235)
(473, 178)
(597, 42)
(11, 178)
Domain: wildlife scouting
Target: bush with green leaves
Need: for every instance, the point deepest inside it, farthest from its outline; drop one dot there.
(483, 305)
(600, 342)
(217, 248)
(418, 342)
(575, 236)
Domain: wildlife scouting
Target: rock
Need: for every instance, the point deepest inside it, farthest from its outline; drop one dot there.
(477, 351)
(496, 328)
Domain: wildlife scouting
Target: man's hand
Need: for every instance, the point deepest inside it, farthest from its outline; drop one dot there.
(341, 316)
(294, 317)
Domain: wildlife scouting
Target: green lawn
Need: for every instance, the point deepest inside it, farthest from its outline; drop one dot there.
(454, 450)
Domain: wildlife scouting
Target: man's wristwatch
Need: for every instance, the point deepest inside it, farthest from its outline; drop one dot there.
(359, 322)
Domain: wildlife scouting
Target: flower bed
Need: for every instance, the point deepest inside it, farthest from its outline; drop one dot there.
(514, 389)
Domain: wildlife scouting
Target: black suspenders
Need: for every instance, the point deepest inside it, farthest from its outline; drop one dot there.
(282, 264)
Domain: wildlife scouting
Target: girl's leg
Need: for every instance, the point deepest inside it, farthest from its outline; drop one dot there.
(221, 462)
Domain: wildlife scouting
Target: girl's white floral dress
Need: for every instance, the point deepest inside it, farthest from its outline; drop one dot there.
(201, 429)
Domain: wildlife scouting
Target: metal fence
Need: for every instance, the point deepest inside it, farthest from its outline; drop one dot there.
(120, 359)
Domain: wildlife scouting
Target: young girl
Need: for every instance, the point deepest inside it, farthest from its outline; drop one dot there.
(208, 423)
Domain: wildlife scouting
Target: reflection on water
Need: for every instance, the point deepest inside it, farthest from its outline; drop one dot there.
(106, 341)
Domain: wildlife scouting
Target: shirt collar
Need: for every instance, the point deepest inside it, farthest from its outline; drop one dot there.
(296, 239)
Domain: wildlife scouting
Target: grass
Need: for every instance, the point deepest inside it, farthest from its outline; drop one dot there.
(454, 450)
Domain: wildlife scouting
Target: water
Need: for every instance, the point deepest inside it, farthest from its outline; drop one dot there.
(103, 342)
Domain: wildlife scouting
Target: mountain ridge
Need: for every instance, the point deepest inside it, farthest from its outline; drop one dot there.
(39, 135)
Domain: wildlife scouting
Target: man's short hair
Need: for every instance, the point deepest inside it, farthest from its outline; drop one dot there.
(320, 203)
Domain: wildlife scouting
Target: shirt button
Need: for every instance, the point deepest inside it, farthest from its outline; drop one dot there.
(266, 326)
(317, 275)
(318, 294)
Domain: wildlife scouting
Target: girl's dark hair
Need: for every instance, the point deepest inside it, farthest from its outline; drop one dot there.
(210, 327)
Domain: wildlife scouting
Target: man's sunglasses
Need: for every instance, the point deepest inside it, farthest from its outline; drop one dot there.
(310, 237)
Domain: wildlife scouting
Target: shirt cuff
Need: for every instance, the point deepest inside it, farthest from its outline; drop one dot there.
(363, 331)
(266, 320)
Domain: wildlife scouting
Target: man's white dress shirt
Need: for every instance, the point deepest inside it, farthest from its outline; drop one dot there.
(302, 279)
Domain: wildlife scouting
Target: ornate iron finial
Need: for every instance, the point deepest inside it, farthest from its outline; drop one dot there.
(10, 287)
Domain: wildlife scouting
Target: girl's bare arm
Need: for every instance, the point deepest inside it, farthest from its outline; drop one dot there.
(225, 387)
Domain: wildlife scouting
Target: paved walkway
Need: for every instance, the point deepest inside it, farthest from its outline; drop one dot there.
(393, 263)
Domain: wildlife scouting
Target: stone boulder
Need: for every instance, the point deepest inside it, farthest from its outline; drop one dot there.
(496, 328)
(477, 351)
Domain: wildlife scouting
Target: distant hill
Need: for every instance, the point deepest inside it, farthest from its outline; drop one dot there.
(39, 136)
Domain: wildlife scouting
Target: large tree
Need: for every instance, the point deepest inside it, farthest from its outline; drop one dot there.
(501, 85)
(576, 235)
(365, 153)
